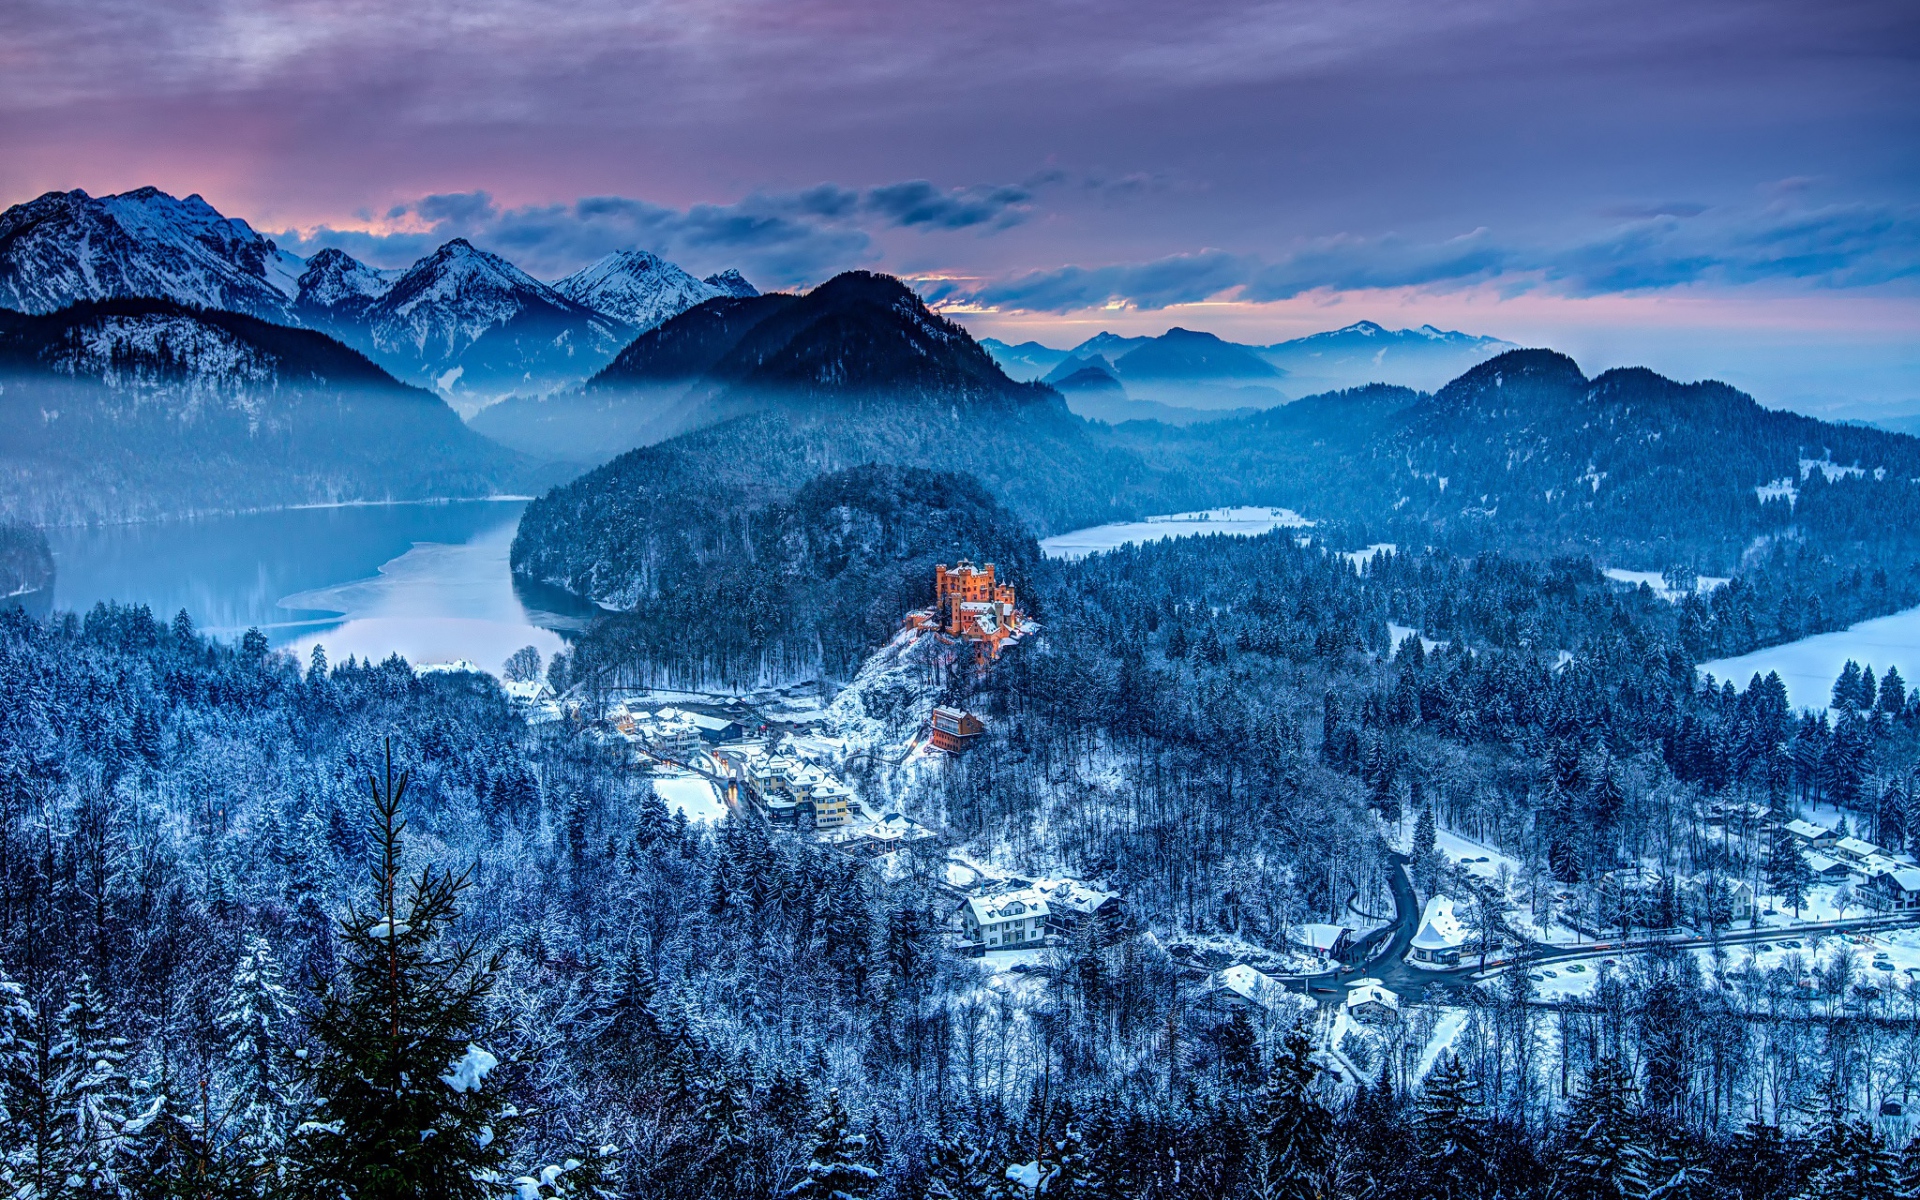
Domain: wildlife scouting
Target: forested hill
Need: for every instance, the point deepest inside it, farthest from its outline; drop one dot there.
(1525, 452)
(760, 588)
(858, 346)
(856, 372)
(638, 399)
(132, 409)
(1521, 454)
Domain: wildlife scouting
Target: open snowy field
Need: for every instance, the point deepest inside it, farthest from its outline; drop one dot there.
(1658, 582)
(1809, 666)
(1243, 522)
(691, 795)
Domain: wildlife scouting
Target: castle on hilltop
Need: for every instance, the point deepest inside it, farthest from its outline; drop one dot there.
(968, 604)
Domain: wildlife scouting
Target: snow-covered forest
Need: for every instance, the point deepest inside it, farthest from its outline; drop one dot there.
(244, 956)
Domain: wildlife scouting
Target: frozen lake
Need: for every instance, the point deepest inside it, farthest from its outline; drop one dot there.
(427, 581)
(1244, 522)
(1809, 666)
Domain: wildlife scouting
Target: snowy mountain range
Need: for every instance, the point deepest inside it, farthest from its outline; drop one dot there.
(1184, 369)
(464, 321)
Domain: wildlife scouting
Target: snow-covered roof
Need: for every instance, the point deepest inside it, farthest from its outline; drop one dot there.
(1371, 991)
(524, 691)
(1823, 865)
(1807, 829)
(1855, 847)
(1907, 879)
(1072, 895)
(1021, 904)
(458, 666)
(1322, 937)
(898, 827)
(1439, 928)
(1245, 981)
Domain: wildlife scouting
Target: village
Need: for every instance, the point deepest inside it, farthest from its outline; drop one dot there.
(1359, 985)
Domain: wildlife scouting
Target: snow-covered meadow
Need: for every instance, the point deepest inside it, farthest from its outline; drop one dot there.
(1809, 666)
(1242, 522)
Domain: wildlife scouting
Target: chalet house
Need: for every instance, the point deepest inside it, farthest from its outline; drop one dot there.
(1328, 941)
(1825, 866)
(1437, 942)
(1370, 1001)
(1070, 903)
(1811, 836)
(1046, 907)
(1711, 900)
(1854, 850)
(952, 729)
(1898, 891)
(1244, 989)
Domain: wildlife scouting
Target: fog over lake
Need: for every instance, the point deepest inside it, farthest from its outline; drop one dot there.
(427, 581)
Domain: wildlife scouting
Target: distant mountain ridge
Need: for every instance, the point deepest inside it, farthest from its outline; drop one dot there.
(1187, 369)
(461, 320)
(139, 408)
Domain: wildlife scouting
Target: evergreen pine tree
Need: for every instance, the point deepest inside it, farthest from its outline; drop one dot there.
(403, 1103)
(257, 1025)
(835, 1171)
(1449, 1125)
(1893, 693)
(22, 1113)
(1601, 1140)
(1846, 688)
(1292, 1131)
(1787, 871)
(89, 1064)
(1849, 1158)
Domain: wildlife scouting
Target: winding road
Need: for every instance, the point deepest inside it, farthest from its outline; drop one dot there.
(1381, 953)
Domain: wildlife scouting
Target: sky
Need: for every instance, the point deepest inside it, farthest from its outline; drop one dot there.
(1725, 188)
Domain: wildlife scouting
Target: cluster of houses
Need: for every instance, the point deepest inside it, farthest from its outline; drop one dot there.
(1028, 916)
(673, 734)
(1892, 878)
(785, 788)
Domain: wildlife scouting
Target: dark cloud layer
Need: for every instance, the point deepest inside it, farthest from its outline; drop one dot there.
(778, 237)
(1844, 246)
(1042, 154)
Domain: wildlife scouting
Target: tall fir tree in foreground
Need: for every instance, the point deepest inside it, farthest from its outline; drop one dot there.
(1292, 1131)
(1602, 1156)
(837, 1170)
(404, 1106)
(1450, 1122)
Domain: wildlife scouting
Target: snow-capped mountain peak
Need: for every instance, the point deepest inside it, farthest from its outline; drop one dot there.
(732, 283)
(65, 247)
(636, 287)
(333, 276)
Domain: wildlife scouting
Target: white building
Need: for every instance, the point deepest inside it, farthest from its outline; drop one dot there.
(1897, 890)
(1027, 916)
(1438, 941)
(1008, 922)
(1369, 1000)
(1855, 850)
